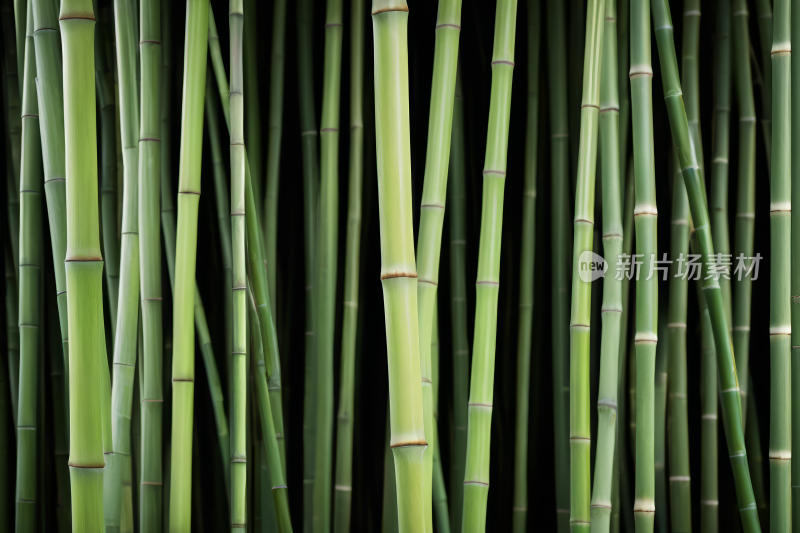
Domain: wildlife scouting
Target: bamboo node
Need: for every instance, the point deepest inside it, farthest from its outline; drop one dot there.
(681, 325)
(419, 442)
(476, 483)
(780, 206)
(708, 417)
(599, 506)
(645, 337)
(684, 479)
(608, 403)
(781, 48)
(308, 132)
(742, 13)
(780, 455)
(640, 70)
(780, 330)
(343, 488)
(329, 130)
(334, 25)
(430, 282)
(389, 9)
(709, 502)
(745, 215)
(498, 172)
(455, 26)
(664, 27)
(495, 283)
(432, 206)
(156, 483)
(398, 274)
(502, 62)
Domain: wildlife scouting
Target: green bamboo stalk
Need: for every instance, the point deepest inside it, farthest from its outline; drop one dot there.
(345, 419)
(280, 493)
(125, 350)
(622, 391)
(560, 237)
(20, 33)
(612, 305)
(458, 306)
(709, 489)
(645, 219)
(577, 57)
(623, 64)
(440, 120)
(12, 334)
(731, 405)
(398, 270)
(274, 136)
(219, 68)
(13, 81)
(745, 196)
(84, 266)
(579, 417)
(327, 246)
(252, 101)
(238, 468)
(441, 514)
(794, 166)
(308, 139)
(108, 161)
(389, 523)
(185, 250)
(28, 508)
(752, 437)
(660, 429)
(780, 322)
(150, 260)
(526, 269)
(764, 14)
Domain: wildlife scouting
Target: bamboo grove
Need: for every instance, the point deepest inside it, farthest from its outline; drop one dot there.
(609, 370)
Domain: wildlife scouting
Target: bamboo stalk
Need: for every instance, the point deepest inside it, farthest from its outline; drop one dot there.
(580, 312)
(84, 266)
(764, 14)
(12, 334)
(150, 261)
(709, 489)
(731, 405)
(645, 219)
(441, 514)
(745, 196)
(752, 437)
(398, 272)
(794, 260)
(560, 236)
(326, 258)
(458, 305)
(125, 350)
(277, 53)
(432, 208)
(238, 468)
(252, 121)
(346, 415)
(309, 139)
(780, 322)
(185, 266)
(612, 305)
(29, 509)
(20, 33)
(526, 269)
(660, 428)
(13, 81)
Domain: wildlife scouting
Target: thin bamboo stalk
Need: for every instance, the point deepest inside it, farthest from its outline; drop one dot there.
(752, 437)
(746, 195)
(13, 81)
(458, 306)
(29, 509)
(398, 271)
(252, 121)
(150, 260)
(764, 14)
(612, 305)
(794, 262)
(238, 468)
(308, 139)
(624, 88)
(344, 431)
(441, 514)
(526, 269)
(12, 334)
(389, 522)
(731, 404)
(560, 237)
(660, 428)
(326, 257)
(780, 321)
(20, 33)
(432, 208)
(195, 51)
(709, 482)
(125, 350)
(274, 137)
(645, 216)
(581, 303)
(84, 266)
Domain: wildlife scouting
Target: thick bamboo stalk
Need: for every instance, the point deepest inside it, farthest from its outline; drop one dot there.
(13, 80)
(195, 50)
(744, 228)
(150, 260)
(29, 509)
(645, 219)
(125, 350)
(764, 14)
(432, 208)
(277, 52)
(345, 419)
(560, 237)
(309, 139)
(84, 266)
(780, 321)
(238, 468)
(731, 405)
(326, 257)
(794, 265)
(398, 269)
(612, 305)
(581, 302)
(526, 269)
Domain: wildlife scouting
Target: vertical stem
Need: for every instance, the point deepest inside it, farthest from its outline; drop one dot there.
(794, 166)
(560, 237)
(195, 51)
(764, 14)
(84, 266)
(28, 508)
(346, 415)
(13, 80)
(251, 73)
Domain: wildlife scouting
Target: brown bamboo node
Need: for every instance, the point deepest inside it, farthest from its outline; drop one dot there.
(54, 179)
(150, 41)
(151, 299)
(609, 236)
(476, 483)
(709, 502)
(610, 311)
(577, 220)
(44, 29)
(418, 442)
(33, 116)
(85, 260)
(784, 456)
(426, 380)
(587, 439)
(150, 139)
(71, 465)
(789, 51)
(473, 404)
(640, 70)
(587, 326)
(189, 192)
(598, 506)
(398, 274)
(79, 16)
(154, 400)
(122, 364)
(503, 62)
(644, 510)
(612, 19)
(181, 379)
(130, 233)
(456, 26)
(432, 206)
(429, 281)
(237, 144)
(590, 105)
(609, 109)
(389, 9)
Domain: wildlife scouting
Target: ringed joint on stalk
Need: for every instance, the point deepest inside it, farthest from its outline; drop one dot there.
(390, 8)
(476, 483)
(454, 26)
(645, 210)
(645, 338)
(780, 330)
(420, 442)
(599, 506)
(781, 48)
(640, 70)
(503, 62)
(398, 274)
(780, 207)
(608, 403)
(79, 16)
(479, 404)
